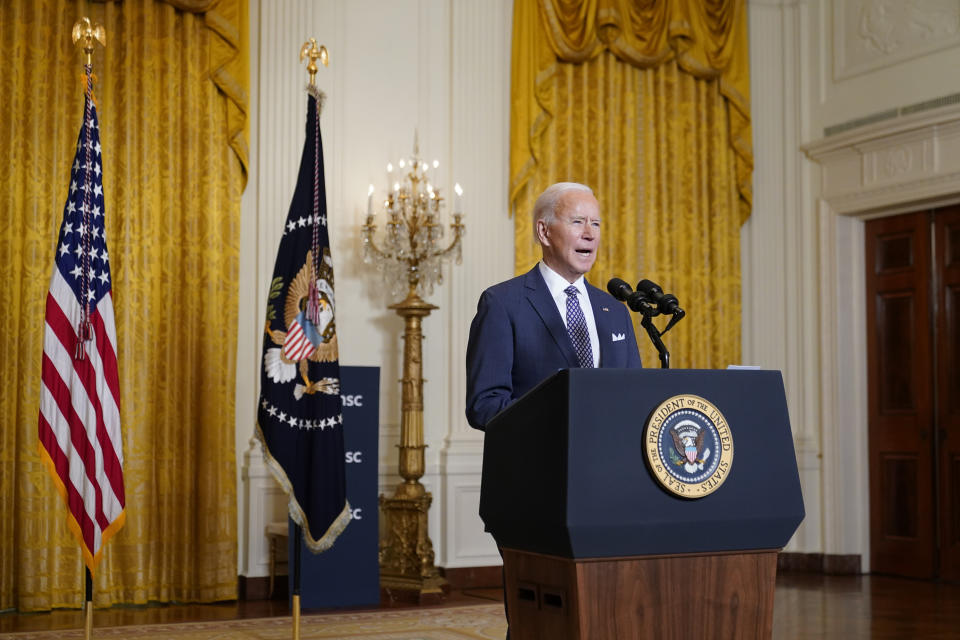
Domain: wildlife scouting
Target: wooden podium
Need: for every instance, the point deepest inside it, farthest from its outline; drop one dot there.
(595, 548)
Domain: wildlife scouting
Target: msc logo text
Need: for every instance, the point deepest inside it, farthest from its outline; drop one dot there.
(352, 401)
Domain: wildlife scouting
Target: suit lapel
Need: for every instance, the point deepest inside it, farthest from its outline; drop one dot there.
(546, 308)
(601, 316)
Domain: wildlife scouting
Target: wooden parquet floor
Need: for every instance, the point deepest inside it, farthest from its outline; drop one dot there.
(807, 606)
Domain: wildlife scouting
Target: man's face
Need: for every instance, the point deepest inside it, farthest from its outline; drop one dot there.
(571, 239)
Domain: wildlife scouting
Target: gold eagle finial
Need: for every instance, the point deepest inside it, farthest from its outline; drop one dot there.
(88, 33)
(311, 50)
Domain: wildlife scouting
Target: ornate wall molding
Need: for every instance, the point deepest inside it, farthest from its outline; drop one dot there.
(871, 34)
(262, 502)
(912, 159)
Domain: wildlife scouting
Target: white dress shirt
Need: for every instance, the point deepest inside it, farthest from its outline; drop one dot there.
(556, 285)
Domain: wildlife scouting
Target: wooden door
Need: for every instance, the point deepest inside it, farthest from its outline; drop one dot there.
(947, 388)
(900, 373)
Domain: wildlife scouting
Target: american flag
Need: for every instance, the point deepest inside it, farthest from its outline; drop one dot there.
(79, 425)
(301, 339)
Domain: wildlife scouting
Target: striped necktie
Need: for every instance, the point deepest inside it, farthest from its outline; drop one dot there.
(577, 328)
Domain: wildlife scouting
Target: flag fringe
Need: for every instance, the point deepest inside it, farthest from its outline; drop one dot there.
(89, 559)
(316, 545)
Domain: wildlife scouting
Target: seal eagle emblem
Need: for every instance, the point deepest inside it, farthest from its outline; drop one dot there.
(688, 446)
(305, 340)
(688, 439)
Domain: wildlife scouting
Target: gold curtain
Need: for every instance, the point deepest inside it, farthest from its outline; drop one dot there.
(648, 103)
(171, 94)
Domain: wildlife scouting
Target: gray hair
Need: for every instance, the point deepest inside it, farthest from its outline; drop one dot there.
(545, 207)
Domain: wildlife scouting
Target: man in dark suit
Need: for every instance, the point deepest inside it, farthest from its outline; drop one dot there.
(549, 318)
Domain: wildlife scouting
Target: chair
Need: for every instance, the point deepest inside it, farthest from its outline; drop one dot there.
(276, 532)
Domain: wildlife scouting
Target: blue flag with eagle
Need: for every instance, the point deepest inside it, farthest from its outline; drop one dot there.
(299, 419)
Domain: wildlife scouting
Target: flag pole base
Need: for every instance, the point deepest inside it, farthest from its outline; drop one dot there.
(88, 620)
(296, 617)
(88, 606)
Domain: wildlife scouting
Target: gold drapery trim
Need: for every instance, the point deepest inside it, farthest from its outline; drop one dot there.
(229, 64)
(172, 185)
(707, 38)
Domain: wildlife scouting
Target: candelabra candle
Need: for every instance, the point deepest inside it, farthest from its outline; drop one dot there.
(411, 252)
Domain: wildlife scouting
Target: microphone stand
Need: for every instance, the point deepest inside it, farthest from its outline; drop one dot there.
(654, 333)
(649, 303)
(648, 311)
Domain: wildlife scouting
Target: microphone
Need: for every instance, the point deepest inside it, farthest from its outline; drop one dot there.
(665, 303)
(625, 293)
(619, 289)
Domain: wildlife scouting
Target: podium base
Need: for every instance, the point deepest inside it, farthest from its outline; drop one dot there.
(724, 596)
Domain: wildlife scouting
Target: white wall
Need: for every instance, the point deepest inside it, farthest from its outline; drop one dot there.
(779, 244)
(440, 67)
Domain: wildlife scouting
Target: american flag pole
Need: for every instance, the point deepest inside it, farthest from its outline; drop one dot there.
(85, 328)
(88, 35)
(295, 604)
(80, 440)
(88, 608)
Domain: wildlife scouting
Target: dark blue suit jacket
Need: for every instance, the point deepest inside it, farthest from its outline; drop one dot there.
(518, 339)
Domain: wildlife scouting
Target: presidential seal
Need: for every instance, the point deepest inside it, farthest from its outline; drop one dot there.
(688, 445)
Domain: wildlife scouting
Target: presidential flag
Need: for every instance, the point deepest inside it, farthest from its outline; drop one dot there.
(79, 424)
(299, 420)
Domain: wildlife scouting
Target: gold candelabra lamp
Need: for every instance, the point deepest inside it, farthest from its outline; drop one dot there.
(411, 256)
(410, 252)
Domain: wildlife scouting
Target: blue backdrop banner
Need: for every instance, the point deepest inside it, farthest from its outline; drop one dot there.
(348, 574)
